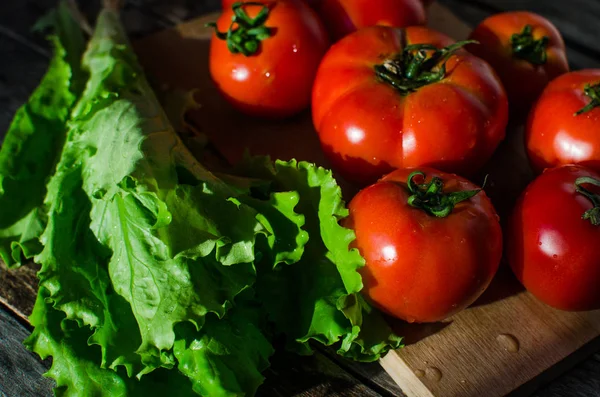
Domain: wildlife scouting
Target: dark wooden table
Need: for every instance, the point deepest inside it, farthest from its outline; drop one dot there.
(24, 57)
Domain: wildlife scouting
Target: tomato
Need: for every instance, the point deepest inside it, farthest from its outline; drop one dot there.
(564, 124)
(526, 51)
(270, 73)
(553, 236)
(421, 267)
(379, 105)
(342, 17)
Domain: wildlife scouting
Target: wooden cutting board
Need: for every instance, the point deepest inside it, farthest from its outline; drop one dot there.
(504, 342)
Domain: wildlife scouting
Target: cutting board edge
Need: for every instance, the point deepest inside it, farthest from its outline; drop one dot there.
(404, 376)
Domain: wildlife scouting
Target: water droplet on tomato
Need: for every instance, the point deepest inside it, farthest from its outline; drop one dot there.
(508, 342)
(554, 256)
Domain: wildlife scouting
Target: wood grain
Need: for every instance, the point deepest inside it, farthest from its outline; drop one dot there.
(20, 370)
(18, 289)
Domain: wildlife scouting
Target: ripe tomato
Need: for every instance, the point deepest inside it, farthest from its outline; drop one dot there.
(342, 17)
(551, 248)
(421, 267)
(563, 125)
(526, 51)
(270, 71)
(383, 99)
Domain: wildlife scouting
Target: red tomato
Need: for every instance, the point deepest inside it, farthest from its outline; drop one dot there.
(526, 51)
(342, 17)
(374, 112)
(421, 267)
(564, 124)
(273, 78)
(551, 248)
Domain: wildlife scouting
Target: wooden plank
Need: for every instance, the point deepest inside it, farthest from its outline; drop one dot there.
(20, 370)
(464, 356)
(18, 289)
(370, 374)
(310, 376)
(582, 381)
(176, 11)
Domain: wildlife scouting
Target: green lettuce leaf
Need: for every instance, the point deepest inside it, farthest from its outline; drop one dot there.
(34, 140)
(160, 277)
(157, 251)
(76, 367)
(227, 356)
(317, 297)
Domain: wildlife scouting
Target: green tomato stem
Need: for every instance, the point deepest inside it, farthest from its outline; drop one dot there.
(430, 197)
(417, 65)
(525, 47)
(593, 214)
(593, 92)
(245, 38)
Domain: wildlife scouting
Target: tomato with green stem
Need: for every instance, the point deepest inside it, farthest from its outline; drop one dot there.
(431, 241)
(564, 125)
(264, 56)
(387, 98)
(526, 50)
(342, 17)
(553, 235)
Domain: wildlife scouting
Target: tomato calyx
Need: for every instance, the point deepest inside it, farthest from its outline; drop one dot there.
(593, 214)
(430, 197)
(592, 91)
(417, 65)
(245, 38)
(525, 47)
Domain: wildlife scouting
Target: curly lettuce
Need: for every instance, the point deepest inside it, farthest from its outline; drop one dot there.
(33, 142)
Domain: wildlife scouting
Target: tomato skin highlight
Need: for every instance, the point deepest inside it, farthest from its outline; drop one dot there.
(551, 249)
(494, 37)
(419, 267)
(276, 81)
(342, 17)
(367, 128)
(554, 135)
